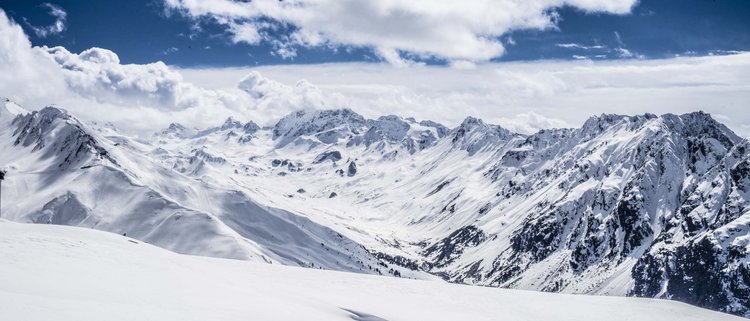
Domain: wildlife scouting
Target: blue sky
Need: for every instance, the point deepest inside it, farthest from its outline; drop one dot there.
(142, 31)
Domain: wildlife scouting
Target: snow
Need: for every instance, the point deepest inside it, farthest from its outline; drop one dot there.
(547, 205)
(64, 273)
(9, 108)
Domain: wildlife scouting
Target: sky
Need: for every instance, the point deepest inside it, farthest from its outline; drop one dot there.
(525, 65)
(176, 32)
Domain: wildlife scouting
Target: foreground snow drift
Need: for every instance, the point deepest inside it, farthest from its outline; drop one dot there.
(63, 273)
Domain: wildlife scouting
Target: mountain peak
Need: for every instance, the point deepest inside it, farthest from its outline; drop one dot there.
(231, 123)
(472, 124)
(53, 112)
(600, 123)
(390, 127)
(701, 124)
(60, 135)
(474, 134)
(250, 127)
(306, 122)
(471, 121)
(700, 118)
(178, 130)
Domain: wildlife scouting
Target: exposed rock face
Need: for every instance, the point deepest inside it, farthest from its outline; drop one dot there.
(333, 156)
(448, 249)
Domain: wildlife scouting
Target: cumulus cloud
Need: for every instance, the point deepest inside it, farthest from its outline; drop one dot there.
(140, 97)
(445, 29)
(278, 99)
(23, 66)
(57, 27)
(97, 74)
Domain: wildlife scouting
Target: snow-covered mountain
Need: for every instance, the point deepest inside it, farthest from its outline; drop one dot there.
(64, 273)
(653, 206)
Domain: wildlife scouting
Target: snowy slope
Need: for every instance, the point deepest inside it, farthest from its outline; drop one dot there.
(653, 206)
(65, 273)
(64, 172)
(570, 210)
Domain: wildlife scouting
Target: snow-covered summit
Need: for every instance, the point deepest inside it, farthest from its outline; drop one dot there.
(701, 124)
(176, 130)
(60, 136)
(474, 134)
(307, 122)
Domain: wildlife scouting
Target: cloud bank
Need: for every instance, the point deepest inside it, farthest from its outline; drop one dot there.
(521, 96)
(526, 96)
(443, 29)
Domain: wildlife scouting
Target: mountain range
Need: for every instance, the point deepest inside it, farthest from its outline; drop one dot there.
(646, 205)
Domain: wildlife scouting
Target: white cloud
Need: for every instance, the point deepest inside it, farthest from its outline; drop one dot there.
(579, 46)
(446, 29)
(393, 57)
(139, 97)
(97, 74)
(620, 51)
(170, 51)
(23, 67)
(286, 51)
(530, 122)
(246, 33)
(522, 96)
(277, 99)
(619, 39)
(57, 27)
(624, 53)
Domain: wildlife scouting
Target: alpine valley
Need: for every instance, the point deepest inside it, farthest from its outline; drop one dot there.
(646, 205)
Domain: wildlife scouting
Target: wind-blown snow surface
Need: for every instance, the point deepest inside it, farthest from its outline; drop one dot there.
(646, 205)
(65, 273)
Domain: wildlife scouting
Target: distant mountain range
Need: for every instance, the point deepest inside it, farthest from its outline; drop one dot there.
(652, 206)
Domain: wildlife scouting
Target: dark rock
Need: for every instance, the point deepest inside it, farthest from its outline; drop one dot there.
(450, 248)
(333, 156)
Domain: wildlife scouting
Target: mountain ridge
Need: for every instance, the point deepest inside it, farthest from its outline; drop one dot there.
(622, 205)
